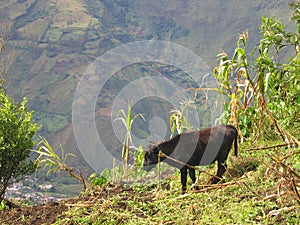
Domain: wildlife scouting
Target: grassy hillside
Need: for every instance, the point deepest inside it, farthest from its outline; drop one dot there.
(256, 190)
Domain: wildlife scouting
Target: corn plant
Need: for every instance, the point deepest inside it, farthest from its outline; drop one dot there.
(53, 162)
(178, 118)
(127, 120)
(244, 105)
(264, 94)
(136, 169)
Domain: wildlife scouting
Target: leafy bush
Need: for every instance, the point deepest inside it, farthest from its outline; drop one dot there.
(16, 141)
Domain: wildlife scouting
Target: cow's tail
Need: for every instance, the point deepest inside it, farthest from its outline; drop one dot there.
(236, 143)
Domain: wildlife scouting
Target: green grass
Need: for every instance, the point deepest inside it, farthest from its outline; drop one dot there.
(248, 196)
(54, 35)
(52, 122)
(69, 190)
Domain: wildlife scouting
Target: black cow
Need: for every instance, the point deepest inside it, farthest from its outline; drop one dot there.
(195, 148)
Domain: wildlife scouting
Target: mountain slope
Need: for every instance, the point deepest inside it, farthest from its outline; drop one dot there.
(55, 41)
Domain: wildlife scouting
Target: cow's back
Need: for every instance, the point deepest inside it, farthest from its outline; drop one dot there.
(190, 148)
(214, 143)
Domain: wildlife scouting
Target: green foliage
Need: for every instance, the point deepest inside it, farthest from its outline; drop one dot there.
(48, 157)
(265, 92)
(127, 121)
(52, 122)
(96, 180)
(16, 141)
(296, 16)
(3, 205)
(134, 172)
(244, 99)
(139, 157)
(282, 83)
(108, 175)
(178, 118)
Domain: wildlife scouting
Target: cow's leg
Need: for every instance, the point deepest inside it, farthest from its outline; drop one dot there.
(183, 176)
(193, 177)
(192, 174)
(221, 170)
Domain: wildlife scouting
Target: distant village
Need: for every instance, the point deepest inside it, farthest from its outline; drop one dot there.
(31, 192)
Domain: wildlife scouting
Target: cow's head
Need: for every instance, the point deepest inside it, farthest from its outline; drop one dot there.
(151, 158)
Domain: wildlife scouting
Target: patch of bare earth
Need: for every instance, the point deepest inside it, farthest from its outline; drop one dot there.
(48, 213)
(39, 214)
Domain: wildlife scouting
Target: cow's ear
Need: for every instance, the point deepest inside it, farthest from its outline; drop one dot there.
(155, 150)
(149, 147)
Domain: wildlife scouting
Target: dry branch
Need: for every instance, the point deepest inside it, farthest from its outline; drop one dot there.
(278, 211)
(217, 186)
(288, 176)
(284, 166)
(272, 146)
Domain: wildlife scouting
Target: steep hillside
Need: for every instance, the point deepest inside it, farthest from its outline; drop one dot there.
(55, 41)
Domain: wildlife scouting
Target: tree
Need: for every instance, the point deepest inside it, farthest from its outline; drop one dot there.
(16, 141)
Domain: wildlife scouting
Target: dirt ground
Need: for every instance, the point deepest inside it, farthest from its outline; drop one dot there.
(48, 213)
(39, 214)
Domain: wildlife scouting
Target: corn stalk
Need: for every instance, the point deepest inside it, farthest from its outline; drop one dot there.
(53, 163)
(127, 120)
(248, 108)
(178, 118)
